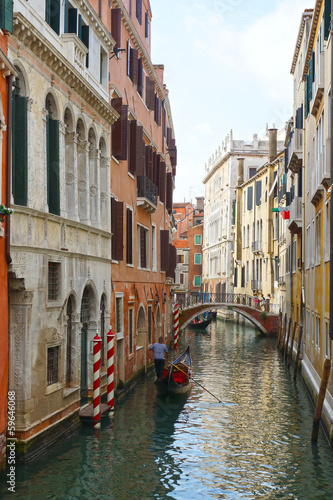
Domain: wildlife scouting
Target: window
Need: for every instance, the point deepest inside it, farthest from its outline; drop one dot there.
(249, 197)
(142, 247)
(129, 236)
(327, 231)
(130, 330)
(53, 365)
(52, 14)
(198, 239)
(197, 280)
(19, 145)
(53, 289)
(197, 258)
(52, 158)
(247, 271)
(180, 259)
(103, 68)
(317, 335)
(252, 171)
(318, 237)
(117, 229)
(153, 248)
(119, 315)
(328, 342)
(149, 324)
(181, 278)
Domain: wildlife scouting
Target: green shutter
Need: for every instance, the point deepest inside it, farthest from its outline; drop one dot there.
(66, 17)
(85, 40)
(310, 81)
(20, 150)
(47, 11)
(54, 13)
(327, 19)
(72, 21)
(79, 29)
(6, 15)
(53, 187)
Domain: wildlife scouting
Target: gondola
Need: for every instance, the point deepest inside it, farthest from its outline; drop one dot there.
(201, 324)
(176, 378)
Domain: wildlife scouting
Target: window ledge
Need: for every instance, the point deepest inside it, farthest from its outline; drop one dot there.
(70, 390)
(53, 388)
(115, 160)
(139, 347)
(131, 356)
(120, 335)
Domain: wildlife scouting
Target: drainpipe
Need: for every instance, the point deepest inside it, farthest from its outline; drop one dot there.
(8, 167)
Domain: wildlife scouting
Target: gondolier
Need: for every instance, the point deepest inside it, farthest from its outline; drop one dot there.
(160, 350)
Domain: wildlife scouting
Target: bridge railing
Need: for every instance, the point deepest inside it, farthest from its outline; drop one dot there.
(195, 298)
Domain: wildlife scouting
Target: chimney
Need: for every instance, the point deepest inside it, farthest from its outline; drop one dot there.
(240, 171)
(272, 144)
(200, 202)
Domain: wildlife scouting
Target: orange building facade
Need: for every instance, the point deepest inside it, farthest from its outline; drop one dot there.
(143, 167)
(5, 88)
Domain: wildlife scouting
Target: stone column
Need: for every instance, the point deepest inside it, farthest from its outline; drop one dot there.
(62, 169)
(105, 209)
(71, 176)
(94, 189)
(83, 181)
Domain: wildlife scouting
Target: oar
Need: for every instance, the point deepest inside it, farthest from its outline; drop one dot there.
(197, 383)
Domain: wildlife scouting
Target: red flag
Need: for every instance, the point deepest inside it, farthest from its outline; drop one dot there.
(285, 215)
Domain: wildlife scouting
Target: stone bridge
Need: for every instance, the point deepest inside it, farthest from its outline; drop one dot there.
(265, 320)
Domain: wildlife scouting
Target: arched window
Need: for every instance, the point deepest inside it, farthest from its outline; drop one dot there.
(19, 143)
(52, 157)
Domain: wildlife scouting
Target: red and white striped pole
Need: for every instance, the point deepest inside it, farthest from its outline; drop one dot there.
(176, 324)
(110, 371)
(97, 382)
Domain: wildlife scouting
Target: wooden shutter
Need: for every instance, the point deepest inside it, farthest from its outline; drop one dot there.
(164, 128)
(139, 167)
(66, 14)
(85, 40)
(146, 25)
(150, 93)
(169, 137)
(258, 193)
(129, 236)
(143, 247)
(162, 181)
(249, 197)
(116, 26)
(120, 130)
(156, 161)
(72, 21)
(117, 211)
(168, 203)
(53, 187)
(133, 65)
(157, 110)
(139, 11)
(149, 163)
(164, 249)
(140, 77)
(20, 150)
(172, 262)
(132, 142)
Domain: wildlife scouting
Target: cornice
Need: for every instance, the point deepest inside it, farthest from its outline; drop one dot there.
(312, 37)
(6, 66)
(139, 46)
(34, 41)
(306, 15)
(96, 23)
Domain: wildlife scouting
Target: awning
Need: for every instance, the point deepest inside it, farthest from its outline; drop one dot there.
(273, 186)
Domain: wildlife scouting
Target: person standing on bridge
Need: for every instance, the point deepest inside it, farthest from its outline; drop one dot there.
(256, 301)
(159, 349)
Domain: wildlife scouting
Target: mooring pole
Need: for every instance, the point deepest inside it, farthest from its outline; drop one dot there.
(280, 329)
(110, 371)
(176, 324)
(283, 333)
(292, 344)
(285, 347)
(320, 400)
(298, 350)
(97, 382)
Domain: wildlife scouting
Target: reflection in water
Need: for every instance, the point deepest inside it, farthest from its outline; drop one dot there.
(255, 444)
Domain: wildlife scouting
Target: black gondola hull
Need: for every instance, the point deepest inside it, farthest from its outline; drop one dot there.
(168, 384)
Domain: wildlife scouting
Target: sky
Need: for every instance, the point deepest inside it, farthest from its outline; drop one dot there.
(226, 66)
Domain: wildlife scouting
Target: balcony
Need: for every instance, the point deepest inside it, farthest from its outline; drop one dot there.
(295, 220)
(325, 176)
(257, 246)
(282, 281)
(295, 151)
(146, 194)
(318, 85)
(75, 51)
(256, 285)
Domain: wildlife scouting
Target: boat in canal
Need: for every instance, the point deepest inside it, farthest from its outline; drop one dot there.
(176, 377)
(200, 324)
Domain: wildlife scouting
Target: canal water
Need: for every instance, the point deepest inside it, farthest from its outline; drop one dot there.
(254, 444)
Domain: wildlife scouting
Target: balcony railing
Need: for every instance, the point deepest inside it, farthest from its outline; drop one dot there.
(295, 153)
(75, 51)
(256, 284)
(295, 220)
(146, 193)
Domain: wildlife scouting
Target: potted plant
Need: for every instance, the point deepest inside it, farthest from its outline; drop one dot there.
(5, 211)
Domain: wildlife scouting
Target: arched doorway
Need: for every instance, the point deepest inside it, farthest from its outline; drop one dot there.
(141, 338)
(88, 330)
